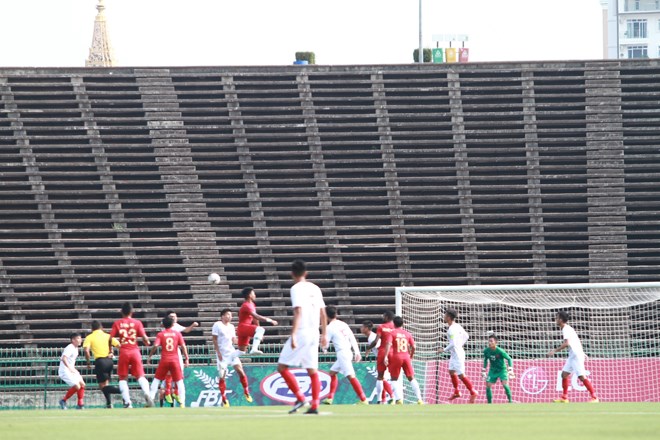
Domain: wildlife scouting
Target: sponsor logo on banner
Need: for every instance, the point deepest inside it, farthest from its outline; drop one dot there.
(534, 380)
(210, 396)
(267, 386)
(274, 387)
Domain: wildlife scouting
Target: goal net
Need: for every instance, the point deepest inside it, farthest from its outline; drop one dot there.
(618, 324)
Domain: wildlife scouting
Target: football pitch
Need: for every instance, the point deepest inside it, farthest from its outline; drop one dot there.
(490, 422)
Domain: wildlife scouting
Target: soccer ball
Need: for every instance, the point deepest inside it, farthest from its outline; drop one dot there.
(214, 278)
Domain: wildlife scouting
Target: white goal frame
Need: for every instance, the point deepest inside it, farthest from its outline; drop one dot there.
(619, 322)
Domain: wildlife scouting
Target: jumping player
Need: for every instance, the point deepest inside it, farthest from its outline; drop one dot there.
(302, 347)
(248, 323)
(224, 337)
(69, 374)
(170, 340)
(402, 346)
(343, 340)
(127, 330)
(382, 335)
(457, 338)
(575, 362)
(496, 356)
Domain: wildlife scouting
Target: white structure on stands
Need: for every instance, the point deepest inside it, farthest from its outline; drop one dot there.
(631, 28)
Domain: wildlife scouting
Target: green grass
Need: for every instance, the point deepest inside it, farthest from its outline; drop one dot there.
(489, 422)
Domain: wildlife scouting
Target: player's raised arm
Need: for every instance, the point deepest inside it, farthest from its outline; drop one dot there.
(191, 327)
(262, 318)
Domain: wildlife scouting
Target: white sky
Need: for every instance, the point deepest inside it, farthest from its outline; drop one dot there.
(269, 32)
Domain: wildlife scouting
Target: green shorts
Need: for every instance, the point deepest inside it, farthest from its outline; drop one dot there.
(494, 375)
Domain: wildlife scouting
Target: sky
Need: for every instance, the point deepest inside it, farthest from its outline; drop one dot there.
(52, 33)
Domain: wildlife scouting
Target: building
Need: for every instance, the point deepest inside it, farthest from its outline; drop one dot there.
(633, 28)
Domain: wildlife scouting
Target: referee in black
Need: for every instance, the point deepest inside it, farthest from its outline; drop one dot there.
(97, 343)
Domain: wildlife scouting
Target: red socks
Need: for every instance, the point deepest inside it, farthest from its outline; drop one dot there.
(222, 385)
(292, 383)
(316, 389)
(589, 387)
(244, 382)
(565, 381)
(81, 396)
(333, 386)
(356, 386)
(168, 385)
(70, 392)
(388, 388)
(454, 382)
(467, 384)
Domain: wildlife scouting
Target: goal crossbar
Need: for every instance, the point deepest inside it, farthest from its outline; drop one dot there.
(554, 295)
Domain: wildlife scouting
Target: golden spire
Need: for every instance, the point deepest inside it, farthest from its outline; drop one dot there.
(100, 53)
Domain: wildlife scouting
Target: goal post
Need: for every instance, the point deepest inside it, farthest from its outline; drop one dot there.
(618, 324)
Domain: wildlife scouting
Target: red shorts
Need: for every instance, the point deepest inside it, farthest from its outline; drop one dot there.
(244, 333)
(169, 366)
(380, 362)
(130, 361)
(398, 363)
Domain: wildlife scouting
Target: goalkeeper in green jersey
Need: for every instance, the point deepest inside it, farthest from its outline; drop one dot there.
(496, 356)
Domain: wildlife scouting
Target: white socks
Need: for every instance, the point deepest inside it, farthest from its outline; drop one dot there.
(379, 390)
(154, 388)
(181, 390)
(397, 389)
(258, 336)
(125, 394)
(415, 386)
(144, 384)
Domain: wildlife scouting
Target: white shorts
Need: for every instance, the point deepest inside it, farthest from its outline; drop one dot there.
(71, 379)
(230, 359)
(344, 365)
(575, 365)
(457, 363)
(305, 355)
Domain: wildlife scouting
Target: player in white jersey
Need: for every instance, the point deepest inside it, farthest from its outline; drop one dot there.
(302, 347)
(346, 347)
(457, 338)
(224, 338)
(169, 393)
(575, 362)
(69, 374)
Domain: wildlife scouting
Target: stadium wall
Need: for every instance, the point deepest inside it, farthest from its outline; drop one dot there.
(135, 183)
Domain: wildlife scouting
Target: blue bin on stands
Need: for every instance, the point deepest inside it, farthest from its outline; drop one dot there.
(301, 62)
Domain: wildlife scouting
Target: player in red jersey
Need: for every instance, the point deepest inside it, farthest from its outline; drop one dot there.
(170, 340)
(402, 345)
(127, 330)
(248, 323)
(382, 335)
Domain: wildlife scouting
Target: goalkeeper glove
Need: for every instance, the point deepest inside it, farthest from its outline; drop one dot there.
(511, 374)
(484, 374)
